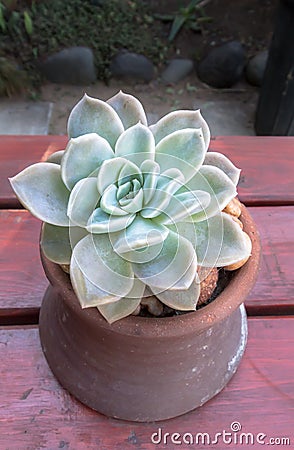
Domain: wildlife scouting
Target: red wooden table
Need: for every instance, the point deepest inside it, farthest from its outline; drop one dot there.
(36, 413)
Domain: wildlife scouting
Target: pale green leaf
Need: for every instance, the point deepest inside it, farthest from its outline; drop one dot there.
(182, 300)
(178, 120)
(56, 157)
(120, 309)
(82, 201)
(222, 162)
(83, 157)
(109, 202)
(92, 115)
(142, 255)
(100, 265)
(40, 189)
(136, 144)
(76, 234)
(174, 267)
(109, 173)
(183, 149)
(101, 222)
(129, 172)
(141, 233)
(132, 205)
(125, 306)
(184, 205)
(57, 242)
(129, 109)
(220, 187)
(89, 294)
(218, 241)
(150, 170)
(168, 183)
(123, 190)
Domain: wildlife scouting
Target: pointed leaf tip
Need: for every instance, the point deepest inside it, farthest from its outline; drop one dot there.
(129, 109)
(91, 115)
(179, 120)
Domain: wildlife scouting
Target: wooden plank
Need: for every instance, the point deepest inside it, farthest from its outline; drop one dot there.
(37, 413)
(274, 290)
(18, 152)
(267, 164)
(23, 282)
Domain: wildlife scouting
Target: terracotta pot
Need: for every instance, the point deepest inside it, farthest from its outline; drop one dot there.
(146, 369)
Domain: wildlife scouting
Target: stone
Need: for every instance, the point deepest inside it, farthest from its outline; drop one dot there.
(223, 66)
(74, 65)
(132, 65)
(177, 70)
(256, 67)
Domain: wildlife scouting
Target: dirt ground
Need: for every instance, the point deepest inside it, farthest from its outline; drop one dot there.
(250, 21)
(157, 99)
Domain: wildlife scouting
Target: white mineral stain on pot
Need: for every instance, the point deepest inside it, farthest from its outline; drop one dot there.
(204, 399)
(233, 363)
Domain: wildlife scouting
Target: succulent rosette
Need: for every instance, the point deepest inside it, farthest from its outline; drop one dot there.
(128, 206)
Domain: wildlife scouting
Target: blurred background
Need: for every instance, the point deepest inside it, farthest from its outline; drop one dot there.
(232, 59)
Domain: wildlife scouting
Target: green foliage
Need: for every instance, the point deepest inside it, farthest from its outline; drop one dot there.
(12, 80)
(51, 25)
(191, 15)
(2, 18)
(28, 23)
(11, 19)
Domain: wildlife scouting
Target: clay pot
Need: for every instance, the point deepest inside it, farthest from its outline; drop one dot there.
(146, 369)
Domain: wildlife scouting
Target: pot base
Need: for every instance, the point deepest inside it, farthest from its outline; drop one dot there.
(135, 377)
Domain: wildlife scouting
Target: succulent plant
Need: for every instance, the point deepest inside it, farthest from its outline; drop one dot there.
(129, 206)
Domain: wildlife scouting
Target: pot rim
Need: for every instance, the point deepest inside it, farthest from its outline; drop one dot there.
(197, 321)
